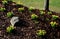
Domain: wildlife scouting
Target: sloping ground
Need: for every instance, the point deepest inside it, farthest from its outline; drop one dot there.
(29, 27)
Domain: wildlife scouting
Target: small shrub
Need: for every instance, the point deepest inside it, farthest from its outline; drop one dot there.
(53, 24)
(10, 29)
(41, 32)
(55, 17)
(42, 12)
(2, 9)
(21, 9)
(9, 14)
(4, 2)
(34, 16)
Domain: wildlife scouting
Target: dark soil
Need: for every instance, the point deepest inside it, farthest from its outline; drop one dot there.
(27, 29)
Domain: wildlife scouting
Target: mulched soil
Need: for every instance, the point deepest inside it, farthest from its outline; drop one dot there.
(27, 29)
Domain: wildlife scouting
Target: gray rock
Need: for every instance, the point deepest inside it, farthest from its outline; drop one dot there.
(14, 20)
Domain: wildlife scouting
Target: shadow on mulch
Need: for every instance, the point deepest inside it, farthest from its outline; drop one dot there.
(16, 33)
(21, 23)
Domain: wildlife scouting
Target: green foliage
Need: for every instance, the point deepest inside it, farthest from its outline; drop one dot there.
(9, 14)
(42, 12)
(55, 17)
(21, 9)
(10, 28)
(49, 13)
(41, 32)
(34, 16)
(4, 2)
(31, 8)
(2, 9)
(53, 24)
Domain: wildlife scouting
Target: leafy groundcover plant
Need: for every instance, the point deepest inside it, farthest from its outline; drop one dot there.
(55, 17)
(21, 9)
(53, 24)
(9, 14)
(34, 17)
(2, 9)
(41, 32)
(31, 8)
(49, 13)
(10, 29)
(42, 12)
(4, 2)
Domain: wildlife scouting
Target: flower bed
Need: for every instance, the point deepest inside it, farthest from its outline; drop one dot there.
(30, 23)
